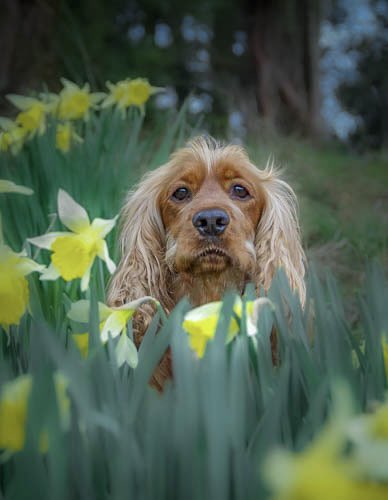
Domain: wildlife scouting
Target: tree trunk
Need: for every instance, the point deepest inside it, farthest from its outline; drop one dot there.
(285, 53)
(27, 31)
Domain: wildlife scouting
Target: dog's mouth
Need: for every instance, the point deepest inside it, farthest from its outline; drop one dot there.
(212, 259)
(212, 252)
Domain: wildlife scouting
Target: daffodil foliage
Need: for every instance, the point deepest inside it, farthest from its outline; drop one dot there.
(267, 400)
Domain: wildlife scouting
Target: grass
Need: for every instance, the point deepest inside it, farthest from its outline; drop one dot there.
(209, 433)
(343, 201)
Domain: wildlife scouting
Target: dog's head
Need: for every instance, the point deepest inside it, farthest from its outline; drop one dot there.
(210, 209)
(208, 215)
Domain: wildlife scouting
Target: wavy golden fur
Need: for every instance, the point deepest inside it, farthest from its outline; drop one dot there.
(206, 221)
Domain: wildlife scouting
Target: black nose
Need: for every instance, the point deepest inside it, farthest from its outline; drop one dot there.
(210, 222)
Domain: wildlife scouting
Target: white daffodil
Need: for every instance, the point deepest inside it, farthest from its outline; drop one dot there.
(10, 187)
(73, 253)
(201, 323)
(113, 322)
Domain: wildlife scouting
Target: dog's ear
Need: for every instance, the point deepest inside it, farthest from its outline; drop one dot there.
(278, 241)
(142, 269)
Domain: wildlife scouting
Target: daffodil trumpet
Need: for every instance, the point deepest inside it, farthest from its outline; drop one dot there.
(14, 289)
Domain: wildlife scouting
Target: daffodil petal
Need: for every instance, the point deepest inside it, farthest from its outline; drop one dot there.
(6, 123)
(46, 240)
(86, 278)
(21, 102)
(251, 327)
(97, 97)
(126, 352)
(80, 311)
(253, 315)
(14, 398)
(11, 187)
(104, 226)
(27, 266)
(81, 340)
(203, 312)
(14, 290)
(114, 325)
(134, 304)
(72, 215)
(104, 255)
(49, 274)
(67, 83)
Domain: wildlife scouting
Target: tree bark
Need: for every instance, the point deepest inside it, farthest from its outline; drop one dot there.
(27, 31)
(284, 45)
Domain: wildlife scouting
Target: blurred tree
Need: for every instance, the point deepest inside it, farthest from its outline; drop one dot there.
(366, 96)
(27, 29)
(284, 44)
(221, 52)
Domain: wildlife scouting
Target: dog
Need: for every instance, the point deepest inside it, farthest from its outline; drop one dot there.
(205, 222)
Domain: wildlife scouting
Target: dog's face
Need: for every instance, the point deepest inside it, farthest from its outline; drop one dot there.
(210, 213)
(206, 221)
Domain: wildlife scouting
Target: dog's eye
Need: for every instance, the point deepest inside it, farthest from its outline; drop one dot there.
(240, 192)
(181, 194)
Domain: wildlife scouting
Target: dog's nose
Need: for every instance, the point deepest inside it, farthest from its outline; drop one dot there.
(211, 222)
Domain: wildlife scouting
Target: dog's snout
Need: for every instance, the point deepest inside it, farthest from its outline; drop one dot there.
(211, 222)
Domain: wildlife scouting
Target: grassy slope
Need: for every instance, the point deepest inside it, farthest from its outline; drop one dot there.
(343, 203)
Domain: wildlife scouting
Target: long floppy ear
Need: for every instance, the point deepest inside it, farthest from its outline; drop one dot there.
(142, 270)
(278, 241)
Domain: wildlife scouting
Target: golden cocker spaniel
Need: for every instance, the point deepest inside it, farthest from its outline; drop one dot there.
(205, 222)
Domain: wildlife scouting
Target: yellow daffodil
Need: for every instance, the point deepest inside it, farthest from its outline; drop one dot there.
(14, 398)
(13, 412)
(14, 290)
(314, 474)
(113, 322)
(10, 187)
(320, 471)
(319, 474)
(32, 118)
(201, 323)
(81, 340)
(65, 135)
(326, 468)
(73, 253)
(75, 102)
(369, 435)
(12, 136)
(128, 93)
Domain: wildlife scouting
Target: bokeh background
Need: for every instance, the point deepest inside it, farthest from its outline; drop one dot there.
(305, 81)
